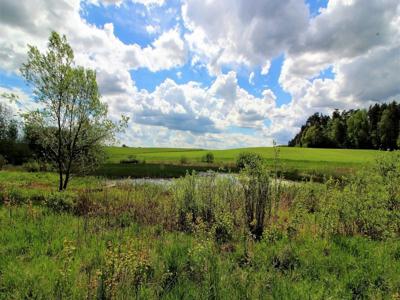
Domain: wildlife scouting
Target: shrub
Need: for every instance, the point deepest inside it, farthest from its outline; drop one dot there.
(124, 272)
(208, 158)
(195, 198)
(248, 159)
(257, 198)
(286, 261)
(129, 161)
(61, 202)
(223, 228)
(3, 161)
(31, 166)
(367, 204)
(183, 160)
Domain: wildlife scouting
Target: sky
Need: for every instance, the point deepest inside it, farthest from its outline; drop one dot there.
(214, 73)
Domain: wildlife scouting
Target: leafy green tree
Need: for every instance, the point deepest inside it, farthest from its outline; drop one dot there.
(8, 133)
(387, 130)
(358, 129)
(379, 127)
(374, 115)
(337, 130)
(398, 141)
(315, 136)
(71, 125)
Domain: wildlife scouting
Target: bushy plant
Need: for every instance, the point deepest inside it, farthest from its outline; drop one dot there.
(183, 160)
(124, 272)
(248, 159)
(195, 199)
(257, 198)
(208, 158)
(61, 201)
(287, 260)
(367, 204)
(31, 166)
(223, 228)
(132, 159)
(3, 161)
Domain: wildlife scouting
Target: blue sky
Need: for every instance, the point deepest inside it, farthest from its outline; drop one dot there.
(215, 74)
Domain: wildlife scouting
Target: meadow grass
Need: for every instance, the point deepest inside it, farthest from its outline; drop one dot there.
(295, 163)
(192, 239)
(338, 156)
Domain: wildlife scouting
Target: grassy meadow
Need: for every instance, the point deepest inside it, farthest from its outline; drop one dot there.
(295, 163)
(201, 237)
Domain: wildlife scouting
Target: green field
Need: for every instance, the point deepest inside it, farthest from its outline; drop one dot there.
(310, 155)
(294, 163)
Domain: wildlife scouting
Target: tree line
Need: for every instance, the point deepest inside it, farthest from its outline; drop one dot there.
(377, 127)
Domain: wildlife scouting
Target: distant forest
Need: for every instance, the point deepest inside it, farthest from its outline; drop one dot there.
(375, 128)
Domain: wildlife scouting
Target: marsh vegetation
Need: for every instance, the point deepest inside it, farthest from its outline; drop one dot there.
(202, 237)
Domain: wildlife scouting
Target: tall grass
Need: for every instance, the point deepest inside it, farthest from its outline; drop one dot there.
(194, 238)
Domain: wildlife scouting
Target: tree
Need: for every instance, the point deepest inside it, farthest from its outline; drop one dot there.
(337, 130)
(374, 115)
(315, 137)
(379, 127)
(71, 125)
(358, 129)
(8, 133)
(387, 129)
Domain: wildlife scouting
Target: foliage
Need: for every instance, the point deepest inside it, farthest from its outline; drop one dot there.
(71, 126)
(208, 158)
(12, 147)
(130, 160)
(248, 160)
(257, 197)
(375, 128)
(183, 160)
(3, 161)
(61, 202)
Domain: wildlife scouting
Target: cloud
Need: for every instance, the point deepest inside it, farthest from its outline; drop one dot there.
(233, 32)
(342, 32)
(193, 108)
(265, 68)
(96, 47)
(147, 3)
(358, 40)
(251, 78)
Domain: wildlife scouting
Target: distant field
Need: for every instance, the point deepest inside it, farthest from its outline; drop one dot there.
(293, 161)
(229, 156)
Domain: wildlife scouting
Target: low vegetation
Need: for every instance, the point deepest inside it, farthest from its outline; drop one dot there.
(220, 237)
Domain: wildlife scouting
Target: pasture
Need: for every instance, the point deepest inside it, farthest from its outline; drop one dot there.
(293, 163)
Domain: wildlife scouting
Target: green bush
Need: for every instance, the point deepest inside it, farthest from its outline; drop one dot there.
(287, 260)
(183, 160)
(3, 161)
(257, 198)
(130, 160)
(31, 166)
(208, 158)
(61, 202)
(248, 159)
(223, 228)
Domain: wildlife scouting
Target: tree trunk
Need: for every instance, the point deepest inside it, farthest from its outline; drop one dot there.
(66, 180)
(60, 182)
